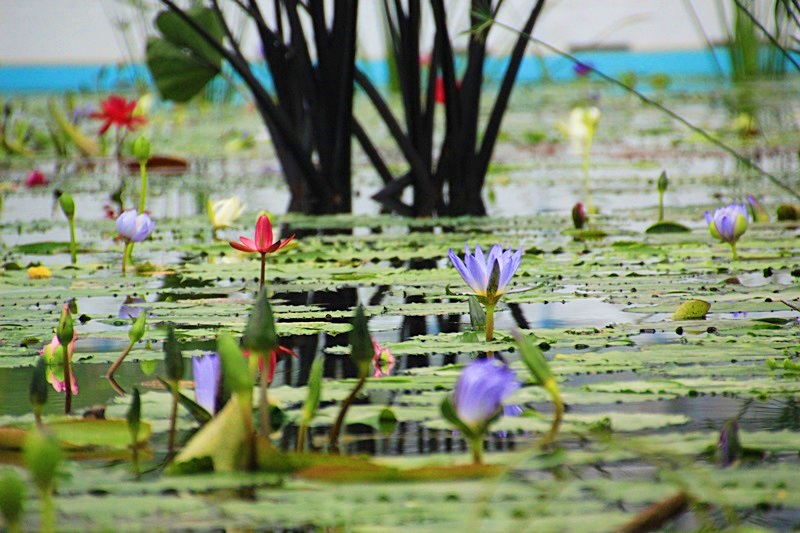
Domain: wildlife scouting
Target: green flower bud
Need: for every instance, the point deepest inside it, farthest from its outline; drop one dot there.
(663, 182)
(65, 331)
(534, 359)
(236, 374)
(141, 149)
(42, 457)
(134, 416)
(314, 390)
(361, 349)
(12, 496)
(136, 332)
(173, 356)
(259, 335)
(67, 204)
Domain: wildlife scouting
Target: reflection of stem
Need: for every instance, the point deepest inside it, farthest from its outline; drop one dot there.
(126, 252)
(67, 379)
(73, 241)
(143, 198)
(337, 426)
(263, 269)
(264, 404)
(551, 387)
(476, 445)
(118, 362)
(173, 418)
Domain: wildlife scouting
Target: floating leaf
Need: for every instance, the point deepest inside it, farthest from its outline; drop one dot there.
(691, 310)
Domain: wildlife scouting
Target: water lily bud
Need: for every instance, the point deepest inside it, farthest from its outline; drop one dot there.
(311, 404)
(65, 331)
(361, 349)
(141, 149)
(12, 497)
(39, 386)
(578, 216)
(173, 356)
(42, 457)
(534, 359)
(259, 334)
(136, 332)
(494, 283)
(236, 374)
(134, 416)
(663, 182)
(67, 204)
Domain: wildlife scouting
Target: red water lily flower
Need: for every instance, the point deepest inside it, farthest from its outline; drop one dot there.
(118, 111)
(263, 242)
(35, 179)
(273, 360)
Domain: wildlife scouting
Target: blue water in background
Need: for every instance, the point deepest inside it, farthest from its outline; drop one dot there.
(681, 66)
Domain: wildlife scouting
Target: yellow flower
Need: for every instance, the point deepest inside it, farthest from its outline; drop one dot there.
(39, 272)
(224, 212)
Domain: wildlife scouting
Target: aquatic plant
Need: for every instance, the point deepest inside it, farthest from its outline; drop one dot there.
(121, 113)
(39, 272)
(263, 243)
(580, 129)
(132, 228)
(487, 275)
(383, 361)
(134, 419)
(261, 341)
(223, 213)
(477, 400)
(141, 151)
(37, 393)
(756, 210)
(728, 224)
(12, 499)
(173, 359)
(311, 403)
(35, 179)
(207, 372)
(42, 457)
(578, 216)
(67, 335)
(53, 353)
(135, 334)
(729, 447)
(68, 208)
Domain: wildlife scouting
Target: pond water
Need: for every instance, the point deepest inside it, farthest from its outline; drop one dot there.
(646, 395)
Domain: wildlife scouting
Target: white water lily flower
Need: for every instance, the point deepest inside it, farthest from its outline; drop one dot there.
(581, 126)
(223, 213)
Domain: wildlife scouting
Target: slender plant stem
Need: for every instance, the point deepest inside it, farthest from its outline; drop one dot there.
(119, 360)
(143, 197)
(135, 459)
(67, 379)
(489, 322)
(301, 436)
(558, 415)
(125, 253)
(73, 241)
(337, 426)
(660, 206)
(476, 446)
(48, 510)
(263, 269)
(733, 251)
(173, 418)
(587, 184)
(263, 411)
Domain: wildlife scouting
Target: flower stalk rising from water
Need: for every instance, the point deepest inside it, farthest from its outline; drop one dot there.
(133, 227)
(487, 275)
(477, 400)
(728, 224)
(263, 243)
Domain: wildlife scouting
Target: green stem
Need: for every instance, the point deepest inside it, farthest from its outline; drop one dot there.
(337, 426)
(489, 322)
(263, 410)
(126, 252)
(590, 209)
(660, 206)
(733, 251)
(263, 269)
(119, 360)
(73, 242)
(476, 445)
(135, 458)
(48, 510)
(143, 197)
(173, 418)
(558, 415)
(301, 437)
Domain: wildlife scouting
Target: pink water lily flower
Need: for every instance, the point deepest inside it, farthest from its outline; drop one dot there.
(264, 243)
(383, 361)
(49, 352)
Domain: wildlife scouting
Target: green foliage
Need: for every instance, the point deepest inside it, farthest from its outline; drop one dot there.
(361, 348)
(173, 358)
(259, 335)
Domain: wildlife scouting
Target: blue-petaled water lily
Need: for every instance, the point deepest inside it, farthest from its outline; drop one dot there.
(133, 227)
(487, 275)
(207, 371)
(728, 224)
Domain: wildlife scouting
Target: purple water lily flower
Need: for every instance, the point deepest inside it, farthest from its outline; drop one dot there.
(728, 223)
(134, 227)
(130, 308)
(480, 391)
(207, 371)
(582, 69)
(476, 269)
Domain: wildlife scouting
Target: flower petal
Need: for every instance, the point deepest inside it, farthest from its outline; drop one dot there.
(264, 237)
